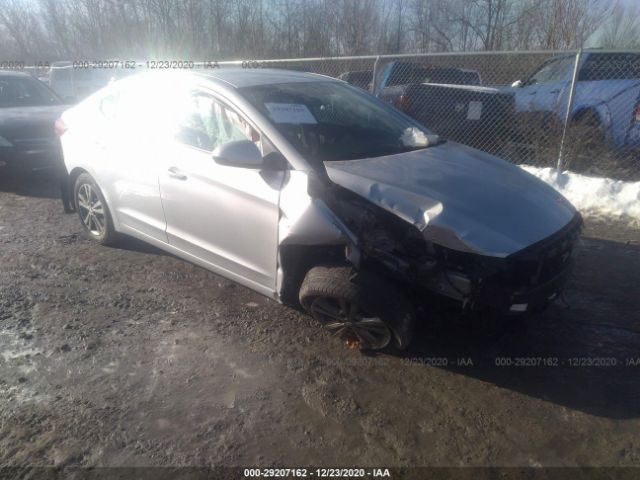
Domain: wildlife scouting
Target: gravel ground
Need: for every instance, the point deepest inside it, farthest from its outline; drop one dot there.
(129, 356)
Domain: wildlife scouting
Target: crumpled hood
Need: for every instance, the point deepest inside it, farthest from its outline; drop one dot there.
(459, 197)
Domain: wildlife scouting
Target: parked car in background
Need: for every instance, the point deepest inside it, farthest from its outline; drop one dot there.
(397, 73)
(606, 107)
(309, 190)
(361, 79)
(450, 101)
(41, 72)
(28, 111)
(73, 83)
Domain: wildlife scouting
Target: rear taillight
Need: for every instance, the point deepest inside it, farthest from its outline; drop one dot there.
(402, 102)
(60, 127)
(636, 113)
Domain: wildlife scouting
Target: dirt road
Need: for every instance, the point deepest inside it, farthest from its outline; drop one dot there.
(129, 356)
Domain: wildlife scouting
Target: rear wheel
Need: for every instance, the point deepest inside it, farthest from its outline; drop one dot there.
(93, 211)
(368, 312)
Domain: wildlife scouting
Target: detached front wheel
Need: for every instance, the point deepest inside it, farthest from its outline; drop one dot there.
(368, 311)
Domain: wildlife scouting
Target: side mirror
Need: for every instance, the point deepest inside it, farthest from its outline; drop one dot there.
(517, 84)
(240, 153)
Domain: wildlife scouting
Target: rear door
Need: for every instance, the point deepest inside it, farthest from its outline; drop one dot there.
(224, 216)
(133, 147)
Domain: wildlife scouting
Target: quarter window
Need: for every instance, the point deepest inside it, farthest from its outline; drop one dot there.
(611, 66)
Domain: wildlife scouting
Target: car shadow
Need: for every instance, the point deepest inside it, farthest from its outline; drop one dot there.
(46, 184)
(125, 242)
(584, 356)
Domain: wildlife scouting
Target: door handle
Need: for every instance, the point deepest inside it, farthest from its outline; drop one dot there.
(174, 172)
(555, 91)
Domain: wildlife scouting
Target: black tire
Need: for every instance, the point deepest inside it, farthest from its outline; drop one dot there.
(93, 211)
(367, 309)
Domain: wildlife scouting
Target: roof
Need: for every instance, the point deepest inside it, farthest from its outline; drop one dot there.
(243, 77)
(11, 73)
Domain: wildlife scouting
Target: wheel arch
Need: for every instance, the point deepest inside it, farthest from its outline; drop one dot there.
(599, 112)
(73, 176)
(71, 183)
(296, 260)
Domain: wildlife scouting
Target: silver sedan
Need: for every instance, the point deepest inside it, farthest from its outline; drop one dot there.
(314, 193)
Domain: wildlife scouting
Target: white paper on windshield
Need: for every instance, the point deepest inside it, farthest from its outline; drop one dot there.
(474, 112)
(290, 113)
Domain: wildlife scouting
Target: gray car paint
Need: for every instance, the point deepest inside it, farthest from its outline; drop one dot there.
(459, 197)
(472, 201)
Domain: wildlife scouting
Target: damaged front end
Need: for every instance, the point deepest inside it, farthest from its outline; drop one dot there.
(439, 236)
(525, 281)
(378, 241)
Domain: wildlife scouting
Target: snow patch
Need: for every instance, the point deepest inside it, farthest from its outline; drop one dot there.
(593, 195)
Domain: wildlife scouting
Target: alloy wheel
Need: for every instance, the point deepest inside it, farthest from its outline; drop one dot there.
(346, 320)
(91, 210)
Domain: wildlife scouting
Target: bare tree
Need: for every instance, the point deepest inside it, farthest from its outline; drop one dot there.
(622, 30)
(36, 30)
(569, 23)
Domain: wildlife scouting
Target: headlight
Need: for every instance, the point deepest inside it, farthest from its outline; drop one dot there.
(5, 143)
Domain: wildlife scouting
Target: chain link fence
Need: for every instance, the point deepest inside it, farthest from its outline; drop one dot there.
(572, 110)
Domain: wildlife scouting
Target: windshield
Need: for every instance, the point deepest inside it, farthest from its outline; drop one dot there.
(328, 121)
(25, 92)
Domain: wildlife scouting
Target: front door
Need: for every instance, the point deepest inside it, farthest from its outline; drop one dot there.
(223, 215)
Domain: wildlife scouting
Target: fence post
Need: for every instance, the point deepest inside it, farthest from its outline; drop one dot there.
(374, 82)
(567, 117)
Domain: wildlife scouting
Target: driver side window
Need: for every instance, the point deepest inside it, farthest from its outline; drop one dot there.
(207, 123)
(555, 70)
(543, 75)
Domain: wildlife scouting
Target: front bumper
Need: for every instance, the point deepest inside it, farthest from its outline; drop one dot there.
(536, 275)
(524, 299)
(526, 281)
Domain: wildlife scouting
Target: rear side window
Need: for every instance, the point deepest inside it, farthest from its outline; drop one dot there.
(406, 73)
(611, 66)
(25, 92)
(137, 109)
(452, 76)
